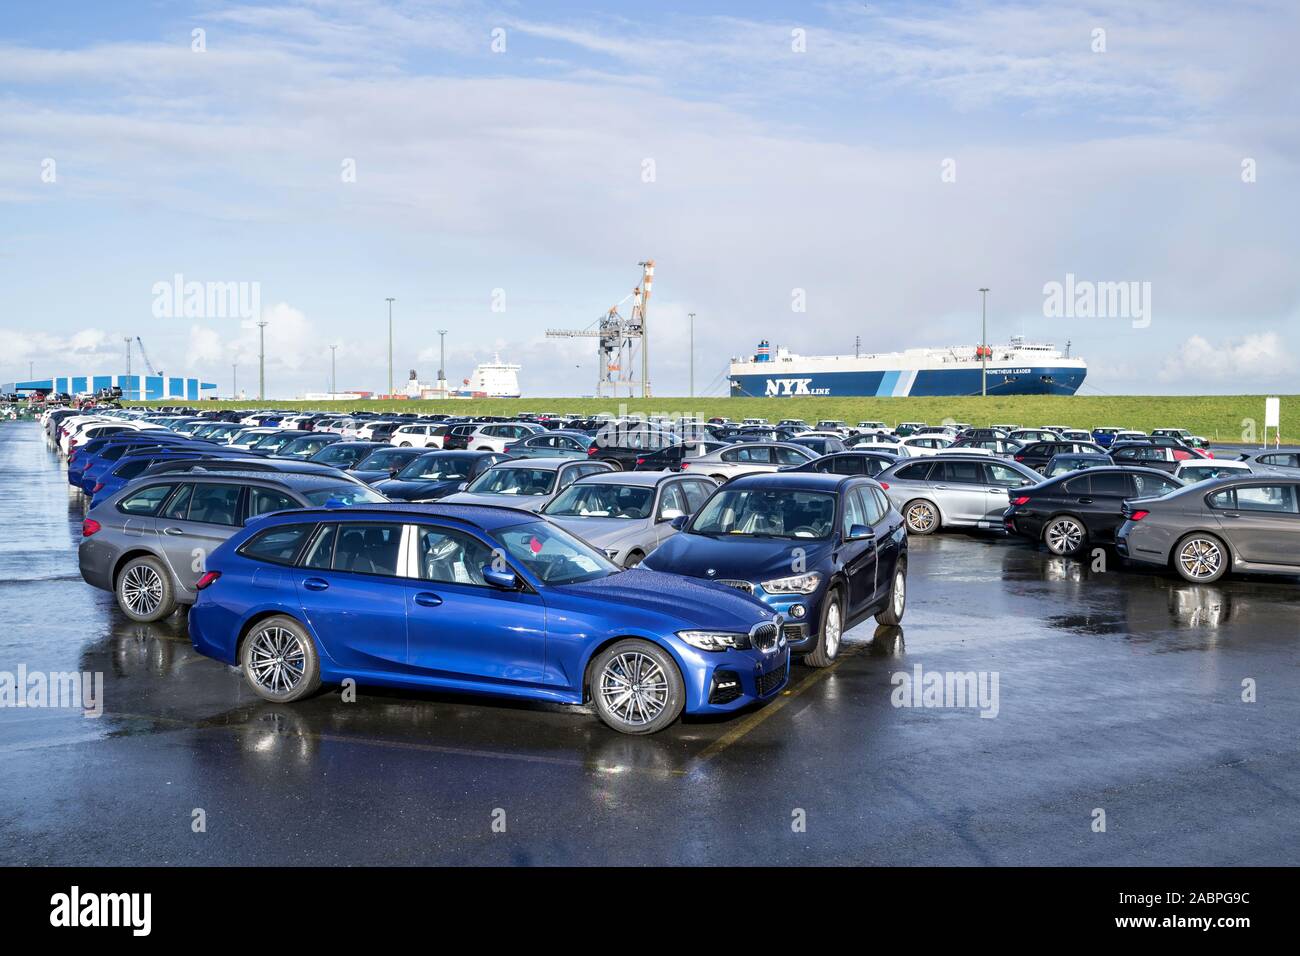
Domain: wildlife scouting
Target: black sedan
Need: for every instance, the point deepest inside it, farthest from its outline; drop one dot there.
(869, 463)
(1038, 454)
(385, 462)
(436, 474)
(1076, 509)
(346, 454)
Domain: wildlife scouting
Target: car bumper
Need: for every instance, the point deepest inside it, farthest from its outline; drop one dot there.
(95, 561)
(1145, 544)
(721, 682)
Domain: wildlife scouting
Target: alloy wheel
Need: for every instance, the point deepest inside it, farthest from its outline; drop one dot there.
(142, 590)
(277, 660)
(920, 518)
(1200, 558)
(634, 688)
(900, 593)
(833, 628)
(1064, 536)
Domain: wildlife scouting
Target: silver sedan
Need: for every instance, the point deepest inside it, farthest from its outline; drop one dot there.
(952, 490)
(628, 514)
(747, 458)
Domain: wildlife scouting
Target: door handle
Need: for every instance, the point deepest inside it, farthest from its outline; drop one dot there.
(315, 584)
(1085, 501)
(173, 531)
(941, 487)
(1231, 514)
(425, 599)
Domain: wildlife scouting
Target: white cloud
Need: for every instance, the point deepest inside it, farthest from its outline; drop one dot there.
(1246, 360)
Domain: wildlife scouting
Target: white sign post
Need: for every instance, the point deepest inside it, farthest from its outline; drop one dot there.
(1273, 420)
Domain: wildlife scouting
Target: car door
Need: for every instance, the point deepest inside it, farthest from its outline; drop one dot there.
(961, 490)
(1107, 491)
(460, 627)
(1000, 480)
(1260, 521)
(194, 522)
(352, 589)
(858, 556)
(672, 503)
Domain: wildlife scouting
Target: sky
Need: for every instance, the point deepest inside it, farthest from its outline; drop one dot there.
(811, 174)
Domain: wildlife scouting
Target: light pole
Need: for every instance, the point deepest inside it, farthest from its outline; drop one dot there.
(984, 352)
(442, 361)
(390, 301)
(334, 382)
(234, 379)
(261, 360)
(691, 316)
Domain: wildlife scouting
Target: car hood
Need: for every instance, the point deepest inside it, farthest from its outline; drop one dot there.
(524, 502)
(739, 557)
(603, 532)
(692, 603)
(401, 489)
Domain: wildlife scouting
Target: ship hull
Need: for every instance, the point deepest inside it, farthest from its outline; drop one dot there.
(881, 383)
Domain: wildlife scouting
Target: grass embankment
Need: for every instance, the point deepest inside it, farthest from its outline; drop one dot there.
(1220, 418)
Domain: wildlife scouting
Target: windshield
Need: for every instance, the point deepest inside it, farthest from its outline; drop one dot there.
(385, 459)
(603, 501)
(513, 481)
(334, 455)
(554, 556)
(273, 442)
(303, 447)
(344, 494)
(436, 469)
(767, 513)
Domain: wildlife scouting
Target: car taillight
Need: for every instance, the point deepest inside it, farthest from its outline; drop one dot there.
(1020, 457)
(885, 485)
(1138, 515)
(89, 526)
(99, 486)
(640, 461)
(1022, 500)
(207, 579)
(685, 465)
(591, 452)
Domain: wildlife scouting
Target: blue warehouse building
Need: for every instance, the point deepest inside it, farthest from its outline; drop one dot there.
(134, 387)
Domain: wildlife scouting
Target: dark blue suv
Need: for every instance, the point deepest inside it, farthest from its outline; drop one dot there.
(823, 551)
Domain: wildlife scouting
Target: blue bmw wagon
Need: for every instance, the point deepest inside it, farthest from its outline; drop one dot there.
(478, 599)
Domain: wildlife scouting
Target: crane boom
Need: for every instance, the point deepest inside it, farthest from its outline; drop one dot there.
(145, 355)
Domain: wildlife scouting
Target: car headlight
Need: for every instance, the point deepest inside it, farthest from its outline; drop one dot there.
(796, 584)
(715, 640)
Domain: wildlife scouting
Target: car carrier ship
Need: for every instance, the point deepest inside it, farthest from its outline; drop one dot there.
(1017, 368)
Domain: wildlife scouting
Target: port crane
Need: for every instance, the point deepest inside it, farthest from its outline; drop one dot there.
(145, 355)
(622, 341)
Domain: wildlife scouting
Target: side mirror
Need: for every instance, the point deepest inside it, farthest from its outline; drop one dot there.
(392, 472)
(671, 514)
(679, 522)
(505, 580)
(462, 486)
(860, 532)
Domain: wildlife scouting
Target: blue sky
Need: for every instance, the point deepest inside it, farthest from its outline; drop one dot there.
(794, 146)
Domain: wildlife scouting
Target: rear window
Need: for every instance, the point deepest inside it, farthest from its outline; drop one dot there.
(350, 494)
(145, 501)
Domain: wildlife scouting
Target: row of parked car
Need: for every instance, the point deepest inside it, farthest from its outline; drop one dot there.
(561, 578)
(592, 575)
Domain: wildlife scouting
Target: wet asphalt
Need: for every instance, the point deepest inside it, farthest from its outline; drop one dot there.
(1118, 690)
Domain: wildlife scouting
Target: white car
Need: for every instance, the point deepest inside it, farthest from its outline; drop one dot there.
(872, 427)
(494, 436)
(919, 446)
(876, 444)
(419, 435)
(1199, 469)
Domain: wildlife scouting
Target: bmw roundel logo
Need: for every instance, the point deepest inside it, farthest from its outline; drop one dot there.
(711, 571)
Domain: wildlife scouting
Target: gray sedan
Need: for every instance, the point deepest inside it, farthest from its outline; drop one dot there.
(526, 483)
(628, 514)
(1212, 527)
(952, 490)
